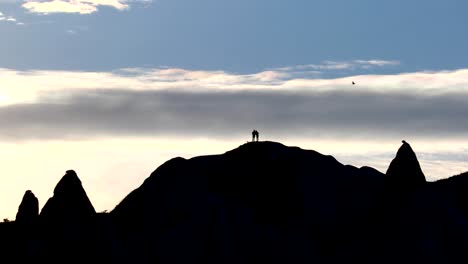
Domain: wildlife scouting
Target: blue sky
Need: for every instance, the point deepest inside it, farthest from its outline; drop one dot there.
(114, 88)
(241, 36)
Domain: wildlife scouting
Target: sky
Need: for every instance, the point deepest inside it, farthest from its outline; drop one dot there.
(114, 88)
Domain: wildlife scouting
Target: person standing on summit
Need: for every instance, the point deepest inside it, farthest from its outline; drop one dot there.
(255, 135)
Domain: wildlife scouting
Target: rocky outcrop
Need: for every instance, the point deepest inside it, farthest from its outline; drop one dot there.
(404, 170)
(28, 209)
(69, 201)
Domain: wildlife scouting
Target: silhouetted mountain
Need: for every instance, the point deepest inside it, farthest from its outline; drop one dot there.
(404, 170)
(28, 210)
(69, 201)
(456, 190)
(260, 203)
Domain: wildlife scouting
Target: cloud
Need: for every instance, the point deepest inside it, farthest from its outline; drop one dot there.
(178, 102)
(72, 6)
(166, 113)
(379, 63)
(9, 19)
(338, 66)
(77, 30)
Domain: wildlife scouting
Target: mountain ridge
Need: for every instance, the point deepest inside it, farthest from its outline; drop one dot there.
(260, 202)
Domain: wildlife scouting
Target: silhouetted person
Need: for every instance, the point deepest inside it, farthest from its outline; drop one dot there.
(255, 135)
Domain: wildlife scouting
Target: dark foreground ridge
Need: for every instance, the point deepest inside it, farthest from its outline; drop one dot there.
(260, 203)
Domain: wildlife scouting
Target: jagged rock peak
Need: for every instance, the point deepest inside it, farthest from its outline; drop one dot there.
(404, 168)
(29, 208)
(70, 199)
(67, 182)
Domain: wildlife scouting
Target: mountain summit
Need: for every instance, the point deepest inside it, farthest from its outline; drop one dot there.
(256, 203)
(28, 210)
(69, 200)
(404, 170)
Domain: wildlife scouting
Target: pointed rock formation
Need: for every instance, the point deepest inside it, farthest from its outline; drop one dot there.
(404, 170)
(28, 209)
(69, 201)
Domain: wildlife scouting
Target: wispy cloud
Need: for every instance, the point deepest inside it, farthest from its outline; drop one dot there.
(9, 19)
(379, 63)
(72, 6)
(77, 30)
(338, 66)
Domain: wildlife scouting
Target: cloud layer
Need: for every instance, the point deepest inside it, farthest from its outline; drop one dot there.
(177, 102)
(165, 113)
(72, 6)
